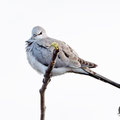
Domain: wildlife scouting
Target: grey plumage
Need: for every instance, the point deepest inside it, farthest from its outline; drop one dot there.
(67, 57)
(45, 52)
(40, 52)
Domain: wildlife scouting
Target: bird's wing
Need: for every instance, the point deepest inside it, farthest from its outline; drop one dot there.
(75, 60)
(67, 57)
(42, 53)
(74, 57)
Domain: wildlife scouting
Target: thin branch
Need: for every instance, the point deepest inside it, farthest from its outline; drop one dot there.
(46, 81)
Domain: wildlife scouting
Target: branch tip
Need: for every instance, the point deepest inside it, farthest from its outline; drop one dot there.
(46, 80)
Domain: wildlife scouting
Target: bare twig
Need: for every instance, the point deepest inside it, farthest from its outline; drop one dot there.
(119, 111)
(46, 81)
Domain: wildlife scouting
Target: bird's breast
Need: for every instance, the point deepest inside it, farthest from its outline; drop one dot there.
(35, 64)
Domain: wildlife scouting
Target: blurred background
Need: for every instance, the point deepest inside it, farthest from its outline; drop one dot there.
(91, 27)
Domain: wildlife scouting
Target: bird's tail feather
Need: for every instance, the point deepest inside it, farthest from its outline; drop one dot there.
(100, 77)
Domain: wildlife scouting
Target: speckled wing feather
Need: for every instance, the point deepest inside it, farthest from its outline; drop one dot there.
(66, 58)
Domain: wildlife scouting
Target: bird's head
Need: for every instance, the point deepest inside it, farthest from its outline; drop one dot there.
(38, 33)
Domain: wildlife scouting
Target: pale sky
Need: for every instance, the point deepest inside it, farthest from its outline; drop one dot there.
(91, 28)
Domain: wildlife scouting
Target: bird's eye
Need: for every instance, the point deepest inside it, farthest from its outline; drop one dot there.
(40, 33)
(34, 35)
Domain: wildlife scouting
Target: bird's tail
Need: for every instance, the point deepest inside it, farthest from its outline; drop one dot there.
(100, 77)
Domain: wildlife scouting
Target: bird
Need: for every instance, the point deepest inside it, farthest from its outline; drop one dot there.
(39, 52)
